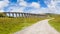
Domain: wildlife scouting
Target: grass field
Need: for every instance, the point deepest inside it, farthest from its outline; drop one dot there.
(10, 25)
(55, 22)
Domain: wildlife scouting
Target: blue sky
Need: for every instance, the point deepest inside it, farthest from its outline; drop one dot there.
(40, 1)
(16, 3)
(30, 1)
(31, 6)
(13, 1)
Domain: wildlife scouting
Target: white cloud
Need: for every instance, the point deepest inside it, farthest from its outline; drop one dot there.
(1, 10)
(15, 9)
(53, 7)
(21, 0)
(39, 10)
(3, 3)
(35, 5)
(23, 3)
(18, 8)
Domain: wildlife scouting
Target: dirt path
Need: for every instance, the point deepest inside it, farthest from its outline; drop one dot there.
(41, 27)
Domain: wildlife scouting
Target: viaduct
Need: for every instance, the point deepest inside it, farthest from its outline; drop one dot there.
(20, 14)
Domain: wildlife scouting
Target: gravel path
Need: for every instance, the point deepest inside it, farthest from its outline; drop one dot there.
(41, 27)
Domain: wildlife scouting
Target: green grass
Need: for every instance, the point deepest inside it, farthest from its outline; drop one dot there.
(10, 25)
(55, 22)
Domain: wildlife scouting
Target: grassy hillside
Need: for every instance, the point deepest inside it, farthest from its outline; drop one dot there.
(55, 22)
(10, 25)
(2, 14)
